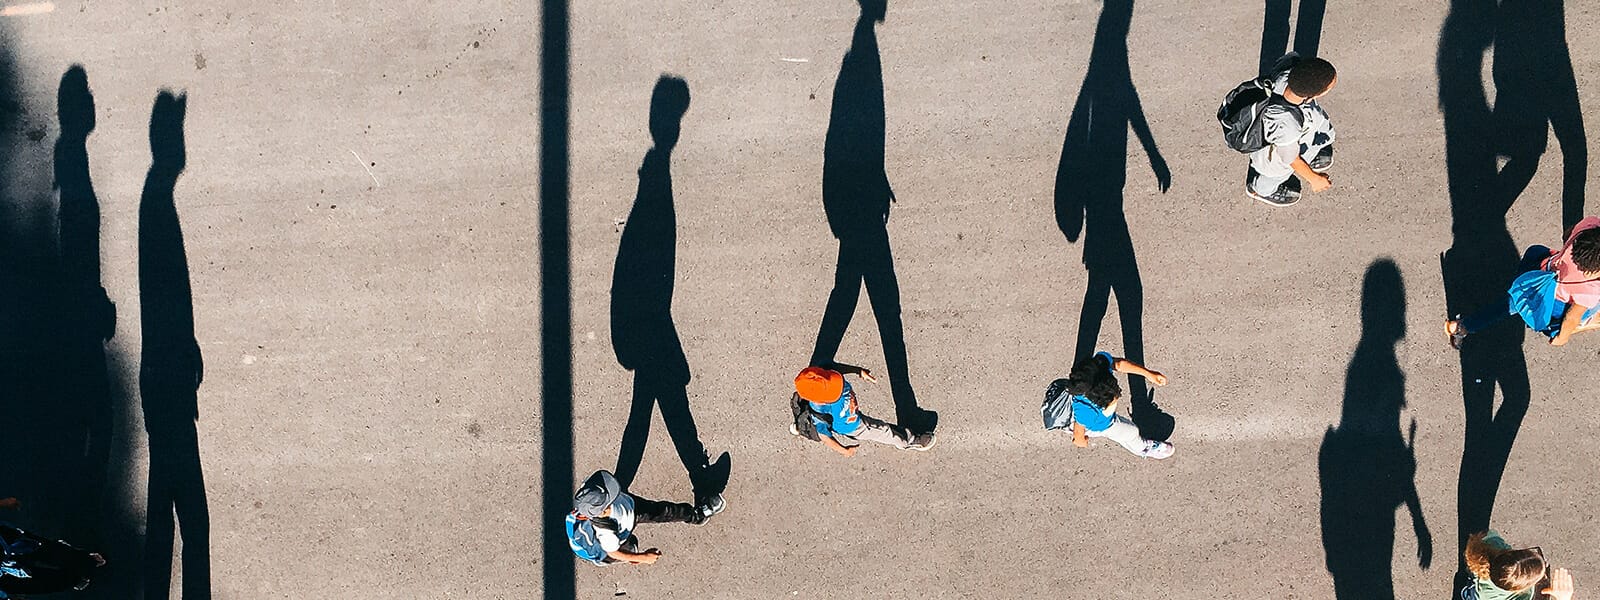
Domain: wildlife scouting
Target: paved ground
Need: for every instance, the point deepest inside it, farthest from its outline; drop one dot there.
(359, 230)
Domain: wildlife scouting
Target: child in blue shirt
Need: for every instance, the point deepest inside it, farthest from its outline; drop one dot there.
(1095, 391)
(835, 413)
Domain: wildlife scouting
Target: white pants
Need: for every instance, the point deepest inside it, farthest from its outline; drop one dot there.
(1273, 166)
(1124, 432)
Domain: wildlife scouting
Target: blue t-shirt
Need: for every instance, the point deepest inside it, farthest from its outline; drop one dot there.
(1086, 412)
(846, 417)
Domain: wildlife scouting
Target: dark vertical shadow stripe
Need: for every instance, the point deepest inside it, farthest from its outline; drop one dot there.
(555, 302)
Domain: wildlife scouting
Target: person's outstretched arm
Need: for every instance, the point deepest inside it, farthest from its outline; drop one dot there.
(845, 369)
(835, 446)
(1569, 324)
(639, 558)
(1123, 365)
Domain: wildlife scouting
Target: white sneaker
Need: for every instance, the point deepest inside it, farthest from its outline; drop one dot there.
(1157, 450)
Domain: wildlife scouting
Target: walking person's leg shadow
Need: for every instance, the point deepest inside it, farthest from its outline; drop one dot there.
(1365, 467)
(1090, 182)
(642, 330)
(1479, 266)
(856, 196)
(171, 370)
(1275, 30)
(1535, 93)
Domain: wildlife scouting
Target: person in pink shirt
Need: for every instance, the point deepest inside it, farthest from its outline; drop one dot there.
(1577, 270)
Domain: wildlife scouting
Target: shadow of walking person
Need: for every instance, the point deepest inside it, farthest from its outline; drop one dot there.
(1089, 201)
(1275, 30)
(87, 316)
(1481, 261)
(642, 331)
(856, 196)
(170, 371)
(1535, 92)
(1366, 469)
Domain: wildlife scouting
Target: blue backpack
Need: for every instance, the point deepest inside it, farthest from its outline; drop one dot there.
(1533, 297)
(584, 543)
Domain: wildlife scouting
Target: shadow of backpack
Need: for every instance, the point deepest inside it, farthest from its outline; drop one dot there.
(802, 424)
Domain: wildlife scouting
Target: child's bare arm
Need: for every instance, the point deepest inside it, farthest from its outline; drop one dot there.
(1123, 365)
(834, 445)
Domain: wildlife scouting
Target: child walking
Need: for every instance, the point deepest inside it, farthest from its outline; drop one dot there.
(1499, 572)
(1298, 133)
(1576, 269)
(1095, 392)
(831, 403)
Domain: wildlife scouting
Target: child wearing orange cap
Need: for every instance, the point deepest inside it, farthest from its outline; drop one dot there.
(832, 404)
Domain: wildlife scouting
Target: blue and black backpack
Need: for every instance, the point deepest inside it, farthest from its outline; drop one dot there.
(581, 537)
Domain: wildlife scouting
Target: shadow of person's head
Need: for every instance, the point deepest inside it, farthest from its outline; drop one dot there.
(166, 131)
(74, 103)
(667, 104)
(1383, 302)
(874, 10)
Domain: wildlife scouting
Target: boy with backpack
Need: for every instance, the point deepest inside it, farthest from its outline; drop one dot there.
(1277, 121)
(600, 527)
(824, 407)
(1087, 402)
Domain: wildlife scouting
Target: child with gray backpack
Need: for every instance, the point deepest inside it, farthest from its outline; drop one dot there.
(1086, 401)
(1277, 121)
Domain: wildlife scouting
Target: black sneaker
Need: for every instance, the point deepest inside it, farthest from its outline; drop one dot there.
(709, 508)
(1323, 160)
(1288, 193)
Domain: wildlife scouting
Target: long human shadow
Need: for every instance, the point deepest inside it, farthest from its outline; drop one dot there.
(1535, 93)
(68, 455)
(171, 370)
(88, 318)
(856, 196)
(96, 510)
(642, 330)
(1482, 259)
(1089, 201)
(1366, 469)
(1275, 30)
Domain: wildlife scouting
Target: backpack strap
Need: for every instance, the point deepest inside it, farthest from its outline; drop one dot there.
(1555, 257)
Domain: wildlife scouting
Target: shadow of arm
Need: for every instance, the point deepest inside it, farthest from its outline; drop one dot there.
(1141, 128)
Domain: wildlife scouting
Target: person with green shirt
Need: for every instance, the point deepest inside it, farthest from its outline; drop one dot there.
(1500, 572)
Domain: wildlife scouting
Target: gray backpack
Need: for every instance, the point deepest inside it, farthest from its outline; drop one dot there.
(1241, 110)
(1057, 407)
(802, 413)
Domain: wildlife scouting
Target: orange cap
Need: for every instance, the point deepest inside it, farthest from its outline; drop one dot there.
(819, 385)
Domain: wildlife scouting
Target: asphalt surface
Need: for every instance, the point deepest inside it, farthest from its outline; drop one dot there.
(359, 231)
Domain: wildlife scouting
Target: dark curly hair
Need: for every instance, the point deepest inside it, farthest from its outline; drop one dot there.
(1092, 378)
(1311, 76)
(1586, 250)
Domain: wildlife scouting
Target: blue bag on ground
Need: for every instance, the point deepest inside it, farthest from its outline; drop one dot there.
(1057, 408)
(1533, 297)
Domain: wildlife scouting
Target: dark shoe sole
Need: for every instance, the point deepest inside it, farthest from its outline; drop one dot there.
(1270, 202)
